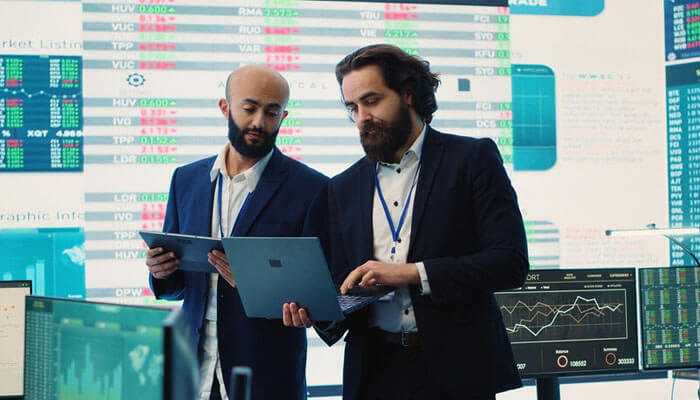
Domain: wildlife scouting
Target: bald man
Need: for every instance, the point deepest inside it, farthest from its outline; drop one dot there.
(249, 189)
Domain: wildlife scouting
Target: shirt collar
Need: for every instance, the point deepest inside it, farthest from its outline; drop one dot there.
(251, 176)
(416, 149)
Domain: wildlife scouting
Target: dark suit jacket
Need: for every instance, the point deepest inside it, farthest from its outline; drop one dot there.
(468, 231)
(276, 354)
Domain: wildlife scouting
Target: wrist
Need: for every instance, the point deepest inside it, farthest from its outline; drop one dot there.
(413, 274)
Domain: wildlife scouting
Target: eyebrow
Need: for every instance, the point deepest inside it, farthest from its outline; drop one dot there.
(364, 96)
(257, 103)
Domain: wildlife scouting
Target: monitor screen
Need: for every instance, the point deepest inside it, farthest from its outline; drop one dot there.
(85, 350)
(52, 258)
(573, 321)
(670, 316)
(12, 294)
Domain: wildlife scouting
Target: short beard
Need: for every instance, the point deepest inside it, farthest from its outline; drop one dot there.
(381, 140)
(255, 151)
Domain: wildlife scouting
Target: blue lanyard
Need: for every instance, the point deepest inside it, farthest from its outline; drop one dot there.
(395, 231)
(242, 211)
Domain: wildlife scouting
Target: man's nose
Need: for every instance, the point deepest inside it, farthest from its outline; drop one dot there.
(363, 115)
(258, 121)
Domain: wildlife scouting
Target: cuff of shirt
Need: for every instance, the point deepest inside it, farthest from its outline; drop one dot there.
(424, 285)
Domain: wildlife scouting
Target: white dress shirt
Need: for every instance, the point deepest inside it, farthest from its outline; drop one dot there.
(234, 191)
(394, 312)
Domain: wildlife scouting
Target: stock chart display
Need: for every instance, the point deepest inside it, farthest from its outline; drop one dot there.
(683, 118)
(573, 321)
(670, 315)
(78, 350)
(41, 118)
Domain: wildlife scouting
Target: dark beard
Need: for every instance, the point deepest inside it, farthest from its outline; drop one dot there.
(256, 151)
(381, 140)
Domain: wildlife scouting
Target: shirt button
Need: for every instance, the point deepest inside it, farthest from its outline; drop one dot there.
(398, 240)
(398, 170)
(396, 204)
(405, 312)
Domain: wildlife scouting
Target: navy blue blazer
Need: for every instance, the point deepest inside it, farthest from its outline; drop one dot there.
(468, 231)
(278, 207)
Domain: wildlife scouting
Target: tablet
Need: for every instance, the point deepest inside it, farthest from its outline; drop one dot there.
(191, 250)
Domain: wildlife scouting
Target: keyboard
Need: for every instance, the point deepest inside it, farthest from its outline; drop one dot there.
(352, 303)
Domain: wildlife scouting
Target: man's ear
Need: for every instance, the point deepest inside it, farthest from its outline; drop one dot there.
(408, 97)
(284, 115)
(223, 106)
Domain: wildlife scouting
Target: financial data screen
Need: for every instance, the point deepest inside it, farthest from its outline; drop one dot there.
(575, 321)
(683, 116)
(80, 350)
(682, 29)
(670, 315)
(41, 113)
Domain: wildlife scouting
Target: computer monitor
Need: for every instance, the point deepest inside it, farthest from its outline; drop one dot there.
(12, 294)
(670, 317)
(181, 375)
(573, 322)
(85, 350)
(52, 258)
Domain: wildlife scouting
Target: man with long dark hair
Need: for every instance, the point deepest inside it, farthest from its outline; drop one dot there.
(431, 214)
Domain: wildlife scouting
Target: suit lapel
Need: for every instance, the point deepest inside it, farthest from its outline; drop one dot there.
(366, 202)
(202, 215)
(430, 162)
(354, 201)
(271, 179)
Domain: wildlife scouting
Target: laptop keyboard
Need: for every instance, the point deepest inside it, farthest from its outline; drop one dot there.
(348, 302)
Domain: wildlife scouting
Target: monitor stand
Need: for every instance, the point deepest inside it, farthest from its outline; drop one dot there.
(548, 388)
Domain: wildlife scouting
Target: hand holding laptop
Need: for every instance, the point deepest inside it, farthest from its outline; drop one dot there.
(372, 275)
(298, 316)
(295, 316)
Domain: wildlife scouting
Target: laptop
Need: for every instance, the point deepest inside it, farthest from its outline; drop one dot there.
(270, 271)
(191, 250)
